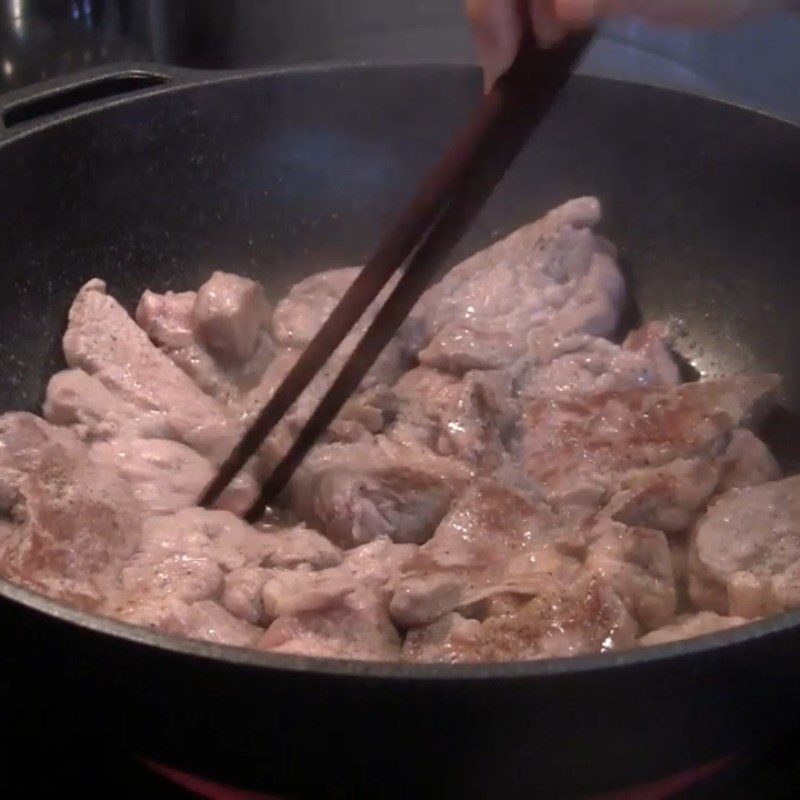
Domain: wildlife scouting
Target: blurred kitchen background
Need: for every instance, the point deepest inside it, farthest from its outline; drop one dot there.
(757, 65)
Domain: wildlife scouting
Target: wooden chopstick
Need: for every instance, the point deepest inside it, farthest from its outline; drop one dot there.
(445, 205)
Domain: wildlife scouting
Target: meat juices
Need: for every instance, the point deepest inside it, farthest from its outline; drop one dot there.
(508, 483)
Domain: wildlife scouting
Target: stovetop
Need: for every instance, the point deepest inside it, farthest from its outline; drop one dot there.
(92, 770)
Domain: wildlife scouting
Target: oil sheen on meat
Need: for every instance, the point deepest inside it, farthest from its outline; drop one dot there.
(515, 479)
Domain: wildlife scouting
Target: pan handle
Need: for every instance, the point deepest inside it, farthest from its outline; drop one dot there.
(34, 106)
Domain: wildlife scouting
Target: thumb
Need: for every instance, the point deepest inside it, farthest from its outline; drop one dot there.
(497, 28)
(497, 25)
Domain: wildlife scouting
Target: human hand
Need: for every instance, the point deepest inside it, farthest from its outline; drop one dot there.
(498, 23)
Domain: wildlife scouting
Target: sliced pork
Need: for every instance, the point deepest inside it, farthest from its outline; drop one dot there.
(510, 481)
(745, 553)
(495, 540)
(548, 279)
(581, 447)
(590, 619)
(103, 341)
(219, 336)
(358, 492)
(67, 526)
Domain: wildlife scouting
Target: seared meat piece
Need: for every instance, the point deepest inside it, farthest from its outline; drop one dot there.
(358, 628)
(580, 448)
(218, 336)
(581, 364)
(291, 592)
(339, 612)
(495, 540)
(82, 402)
(167, 476)
(589, 619)
(218, 537)
(196, 555)
(66, 524)
(668, 498)
(746, 462)
(551, 278)
(230, 315)
(300, 315)
(688, 626)
(261, 595)
(241, 593)
(355, 493)
(636, 563)
(745, 553)
(464, 418)
(310, 302)
(212, 623)
(205, 620)
(106, 343)
(375, 566)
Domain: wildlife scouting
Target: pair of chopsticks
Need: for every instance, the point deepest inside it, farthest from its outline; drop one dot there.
(425, 233)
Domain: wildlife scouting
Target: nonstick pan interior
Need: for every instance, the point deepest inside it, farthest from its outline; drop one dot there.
(278, 178)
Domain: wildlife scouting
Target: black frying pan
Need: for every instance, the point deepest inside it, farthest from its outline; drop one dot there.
(277, 174)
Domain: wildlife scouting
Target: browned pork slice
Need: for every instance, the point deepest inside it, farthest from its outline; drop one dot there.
(581, 364)
(196, 555)
(667, 498)
(588, 619)
(78, 400)
(105, 342)
(67, 525)
(746, 462)
(670, 498)
(297, 549)
(339, 612)
(745, 553)
(219, 335)
(375, 565)
(687, 626)
(310, 302)
(581, 447)
(230, 316)
(637, 564)
(357, 628)
(226, 540)
(551, 278)
(465, 418)
(263, 595)
(300, 315)
(204, 620)
(167, 476)
(358, 492)
(495, 540)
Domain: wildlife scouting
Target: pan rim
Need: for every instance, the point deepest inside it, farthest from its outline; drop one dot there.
(189, 79)
(382, 672)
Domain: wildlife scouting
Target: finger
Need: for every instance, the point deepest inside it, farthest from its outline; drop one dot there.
(498, 33)
(548, 27)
